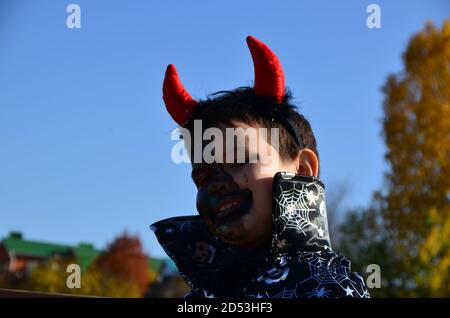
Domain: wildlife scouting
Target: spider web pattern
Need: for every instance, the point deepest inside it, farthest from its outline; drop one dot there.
(326, 277)
(286, 293)
(323, 273)
(294, 207)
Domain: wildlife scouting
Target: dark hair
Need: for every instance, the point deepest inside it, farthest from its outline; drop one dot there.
(244, 105)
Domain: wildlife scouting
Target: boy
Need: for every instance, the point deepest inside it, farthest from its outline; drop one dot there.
(233, 248)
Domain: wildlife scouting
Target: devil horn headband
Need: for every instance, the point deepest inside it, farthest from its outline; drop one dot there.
(269, 82)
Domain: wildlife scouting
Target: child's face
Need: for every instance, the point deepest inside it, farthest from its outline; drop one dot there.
(235, 199)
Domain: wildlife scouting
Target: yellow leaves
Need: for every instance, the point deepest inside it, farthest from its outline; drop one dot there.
(51, 277)
(426, 50)
(430, 246)
(435, 253)
(152, 277)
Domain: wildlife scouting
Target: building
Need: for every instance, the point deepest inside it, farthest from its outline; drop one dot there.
(18, 256)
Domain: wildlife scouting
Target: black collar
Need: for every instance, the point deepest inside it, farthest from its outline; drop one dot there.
(205, 260)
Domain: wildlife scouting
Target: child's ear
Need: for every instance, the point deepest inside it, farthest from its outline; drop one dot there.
(308, 164)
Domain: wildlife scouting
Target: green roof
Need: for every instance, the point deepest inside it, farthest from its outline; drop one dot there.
(85, 255)
(32, 248)
(84, 252)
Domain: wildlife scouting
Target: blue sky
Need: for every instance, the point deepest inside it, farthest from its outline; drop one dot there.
(84, 135)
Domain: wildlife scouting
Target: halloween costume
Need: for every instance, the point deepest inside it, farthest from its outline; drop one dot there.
(299, 262)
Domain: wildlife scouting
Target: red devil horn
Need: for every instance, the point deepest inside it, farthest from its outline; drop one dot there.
(269, 76)
(179, 103)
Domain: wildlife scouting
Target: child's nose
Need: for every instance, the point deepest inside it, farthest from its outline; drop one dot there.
(222, 184)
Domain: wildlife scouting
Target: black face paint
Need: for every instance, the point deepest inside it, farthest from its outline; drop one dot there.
(220, 200)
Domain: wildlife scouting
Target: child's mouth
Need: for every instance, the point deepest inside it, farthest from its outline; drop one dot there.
(231, 206)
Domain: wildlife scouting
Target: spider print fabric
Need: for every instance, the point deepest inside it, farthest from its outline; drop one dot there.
(298, 264)
(300, 216)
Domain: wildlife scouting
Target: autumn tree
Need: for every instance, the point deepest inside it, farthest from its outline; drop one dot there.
(96, 282)
(406, 228)
(416, 129)
(49, 276)
(126, 261)
(121, 271)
